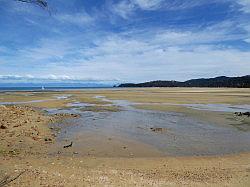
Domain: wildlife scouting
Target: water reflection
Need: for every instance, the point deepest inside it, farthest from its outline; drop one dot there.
(182, 135)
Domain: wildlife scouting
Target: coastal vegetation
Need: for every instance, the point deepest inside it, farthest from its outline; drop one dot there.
(231, 82)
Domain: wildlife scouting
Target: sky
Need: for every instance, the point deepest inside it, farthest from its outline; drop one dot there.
(112, 41)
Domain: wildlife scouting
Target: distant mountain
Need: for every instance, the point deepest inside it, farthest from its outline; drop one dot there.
(232, 82)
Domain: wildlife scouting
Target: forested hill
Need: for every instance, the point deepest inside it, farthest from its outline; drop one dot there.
(232, 82)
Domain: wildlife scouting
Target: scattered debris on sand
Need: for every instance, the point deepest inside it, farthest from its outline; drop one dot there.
(7, 179)
(67, 146)
(158, 129)
(242, 114)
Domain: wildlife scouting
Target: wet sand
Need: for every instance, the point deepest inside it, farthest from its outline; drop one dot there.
(32, 139)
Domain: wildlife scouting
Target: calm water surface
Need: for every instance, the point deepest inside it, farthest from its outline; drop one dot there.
(182, 135)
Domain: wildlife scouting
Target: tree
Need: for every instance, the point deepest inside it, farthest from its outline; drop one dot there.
(41, 3)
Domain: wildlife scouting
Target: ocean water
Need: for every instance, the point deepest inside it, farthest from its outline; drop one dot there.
(46, 88)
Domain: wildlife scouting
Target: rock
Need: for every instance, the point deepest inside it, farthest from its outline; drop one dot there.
(246, 114)
(238, 113)
(3, 127)
(47, 139)
(75, 115)
(67, 146)
(157, 129)
(242, 114)
(35, 138)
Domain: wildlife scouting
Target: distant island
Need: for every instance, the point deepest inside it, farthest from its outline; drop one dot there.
(223, 81)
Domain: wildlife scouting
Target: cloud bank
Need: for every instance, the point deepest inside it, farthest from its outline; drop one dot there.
(125, 40)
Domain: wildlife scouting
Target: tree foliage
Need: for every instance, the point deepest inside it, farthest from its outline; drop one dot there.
(232, 82)
(41, 3)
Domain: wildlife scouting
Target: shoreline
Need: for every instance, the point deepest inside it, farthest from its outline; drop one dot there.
(44, 169)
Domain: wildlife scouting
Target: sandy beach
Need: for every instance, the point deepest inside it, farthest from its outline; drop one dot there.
(35, 127)
(124, 93)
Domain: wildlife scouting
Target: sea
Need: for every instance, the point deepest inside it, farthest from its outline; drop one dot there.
(4, 89)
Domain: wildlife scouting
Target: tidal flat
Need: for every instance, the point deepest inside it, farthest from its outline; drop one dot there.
(139, 136)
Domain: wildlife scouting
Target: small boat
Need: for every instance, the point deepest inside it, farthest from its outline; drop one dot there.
(43, 88)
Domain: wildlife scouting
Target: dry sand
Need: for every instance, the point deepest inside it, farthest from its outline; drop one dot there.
(86, 171)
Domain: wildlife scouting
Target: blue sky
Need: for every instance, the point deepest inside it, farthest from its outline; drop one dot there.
(123, 40)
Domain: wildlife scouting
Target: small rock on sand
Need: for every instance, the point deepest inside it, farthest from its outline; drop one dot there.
(3, 127)
(158, 129)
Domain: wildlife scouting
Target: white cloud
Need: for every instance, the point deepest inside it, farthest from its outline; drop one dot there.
(165, 55)
(247, 40)
(129, 60)
(124, 8)
(80, 19)
(171, 63)
(245, 5)
(148, 4)
(49, 78)
(246, 28)
(182, 4)
(47, 49)
(149, 55)
(162, 39)
(129, 56)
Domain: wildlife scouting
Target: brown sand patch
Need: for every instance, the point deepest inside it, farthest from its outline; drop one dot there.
(85, 171)
(24, 130)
